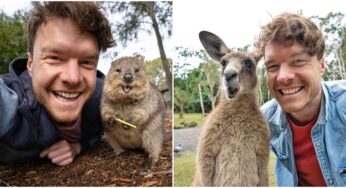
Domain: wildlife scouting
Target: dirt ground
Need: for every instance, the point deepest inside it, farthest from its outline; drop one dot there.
(96, 167)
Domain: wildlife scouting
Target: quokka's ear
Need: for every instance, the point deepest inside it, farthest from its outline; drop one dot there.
(140, 58)
(214, 45)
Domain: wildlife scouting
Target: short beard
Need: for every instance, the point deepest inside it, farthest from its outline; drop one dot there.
(51, 114)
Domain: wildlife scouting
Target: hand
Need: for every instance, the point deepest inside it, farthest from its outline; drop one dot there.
(62, 153)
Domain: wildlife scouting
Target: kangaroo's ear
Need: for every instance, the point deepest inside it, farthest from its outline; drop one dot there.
(214, 45)
(257, 56)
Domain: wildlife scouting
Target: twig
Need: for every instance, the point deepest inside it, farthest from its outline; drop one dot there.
(2, 182)
(157, 172)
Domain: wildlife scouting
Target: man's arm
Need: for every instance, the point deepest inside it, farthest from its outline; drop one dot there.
(8, 108)
(62, 153)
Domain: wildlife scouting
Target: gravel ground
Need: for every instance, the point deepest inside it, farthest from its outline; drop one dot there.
(187, 138)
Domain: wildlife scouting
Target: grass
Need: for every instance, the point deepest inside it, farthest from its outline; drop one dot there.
(184, 169)
(196, 117)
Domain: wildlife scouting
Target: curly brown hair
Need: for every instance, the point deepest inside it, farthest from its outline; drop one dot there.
(87, 15)
(289, 28)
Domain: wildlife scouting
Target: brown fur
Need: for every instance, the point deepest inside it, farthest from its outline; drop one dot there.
(142, 106)
(233, 146)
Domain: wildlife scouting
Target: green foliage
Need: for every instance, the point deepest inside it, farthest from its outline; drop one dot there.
(181, 99)
(187, 78)
(334, 28)
(12, 44)
(155, 72)
(263, 88)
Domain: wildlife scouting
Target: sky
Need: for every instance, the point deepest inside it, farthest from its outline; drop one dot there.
(239, 23)
(236, 22)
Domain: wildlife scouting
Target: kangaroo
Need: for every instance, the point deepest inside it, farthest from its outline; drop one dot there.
(233, 146)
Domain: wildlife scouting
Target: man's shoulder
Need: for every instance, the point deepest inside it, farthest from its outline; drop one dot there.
(336, 89)
(8, 110)
(270, 107)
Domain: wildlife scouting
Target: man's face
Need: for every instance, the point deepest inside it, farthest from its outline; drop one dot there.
(63, 68)
(294, 77)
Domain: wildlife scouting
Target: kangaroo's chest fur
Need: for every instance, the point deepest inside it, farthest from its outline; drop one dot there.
(235, 137)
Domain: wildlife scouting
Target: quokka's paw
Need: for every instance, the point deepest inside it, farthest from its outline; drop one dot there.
(148, 165)
(119, 151)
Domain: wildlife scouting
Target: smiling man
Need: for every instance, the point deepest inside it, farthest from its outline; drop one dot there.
(50, 101)
(307, 118)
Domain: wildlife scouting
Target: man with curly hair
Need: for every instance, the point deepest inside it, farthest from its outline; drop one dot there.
(49, 102)
(307, 118)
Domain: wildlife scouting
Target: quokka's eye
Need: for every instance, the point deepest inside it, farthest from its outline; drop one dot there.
(137, 70)
(118, 70)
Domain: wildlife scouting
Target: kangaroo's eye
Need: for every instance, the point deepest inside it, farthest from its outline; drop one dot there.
(248, 63)
(224, 62)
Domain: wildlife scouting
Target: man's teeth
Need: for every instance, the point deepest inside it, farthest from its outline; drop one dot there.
(290, 91)
(67, 95)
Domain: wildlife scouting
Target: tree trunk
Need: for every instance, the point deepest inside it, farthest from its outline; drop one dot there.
(201, 99)
(342, 63)
(181, 112)
(164, 59)
(213, 102)
(180, 104)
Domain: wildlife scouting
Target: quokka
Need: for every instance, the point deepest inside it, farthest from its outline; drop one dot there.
(129, 96)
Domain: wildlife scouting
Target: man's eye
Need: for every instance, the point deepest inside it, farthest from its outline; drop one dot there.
(53, 58)
(272, 68)
(299, 61)
(88, 64)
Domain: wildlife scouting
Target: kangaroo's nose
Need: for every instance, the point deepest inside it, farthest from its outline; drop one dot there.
(128, 77)
(231, 75)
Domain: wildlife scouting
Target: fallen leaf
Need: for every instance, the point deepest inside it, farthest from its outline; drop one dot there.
(149, 183)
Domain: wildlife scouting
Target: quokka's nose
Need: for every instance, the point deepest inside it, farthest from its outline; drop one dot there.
(231, 75)
(128, 77)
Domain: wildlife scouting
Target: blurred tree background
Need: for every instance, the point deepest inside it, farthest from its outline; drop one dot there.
(12, 41)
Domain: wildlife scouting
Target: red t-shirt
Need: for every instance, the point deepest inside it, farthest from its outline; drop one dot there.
(70, 132)
(308, 168)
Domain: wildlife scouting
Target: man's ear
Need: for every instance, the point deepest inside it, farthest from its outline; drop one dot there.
(29, 63)
(322, 65)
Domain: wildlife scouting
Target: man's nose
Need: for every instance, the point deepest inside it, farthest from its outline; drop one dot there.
(286, 74)
(71, 73)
